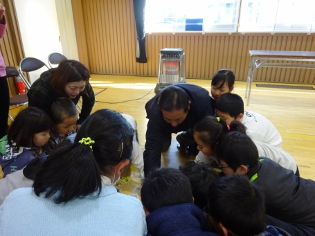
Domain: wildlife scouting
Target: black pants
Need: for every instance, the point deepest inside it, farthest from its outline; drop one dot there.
(4, 106)
(293, 229)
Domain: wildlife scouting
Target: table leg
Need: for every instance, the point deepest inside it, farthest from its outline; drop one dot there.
(250, 78)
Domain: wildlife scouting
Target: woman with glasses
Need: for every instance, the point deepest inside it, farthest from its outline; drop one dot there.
(74, 192)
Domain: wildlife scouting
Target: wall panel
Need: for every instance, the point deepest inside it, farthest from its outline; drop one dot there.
(11, 45)
(110, 34)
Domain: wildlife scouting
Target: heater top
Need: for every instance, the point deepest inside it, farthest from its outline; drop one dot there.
(171, 51)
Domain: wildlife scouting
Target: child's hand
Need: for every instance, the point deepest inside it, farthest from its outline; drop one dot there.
(1, 173)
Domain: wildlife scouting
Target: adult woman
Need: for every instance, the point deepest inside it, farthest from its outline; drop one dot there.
(74, 191)
(69, 79)
(4, 89)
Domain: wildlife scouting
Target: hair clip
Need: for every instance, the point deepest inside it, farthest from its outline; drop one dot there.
(87, 142)
(218, 119)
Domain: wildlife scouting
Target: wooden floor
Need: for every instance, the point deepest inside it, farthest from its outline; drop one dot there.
(292, 111)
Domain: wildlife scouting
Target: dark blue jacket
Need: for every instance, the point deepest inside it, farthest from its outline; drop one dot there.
(184, 219)
(157, 127)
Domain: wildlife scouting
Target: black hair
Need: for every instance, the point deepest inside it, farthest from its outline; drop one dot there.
(164, 187)
(210, 129)
(237, 204)
(222, 76)
(231, 104)
(28, 122)
(68, 71)
(237, 149)
(200, 177)
(173, 98)
(74, 170)
(62, 108)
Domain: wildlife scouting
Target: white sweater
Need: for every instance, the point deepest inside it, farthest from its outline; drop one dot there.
(261, 129)
(112, 213)
(137, 152)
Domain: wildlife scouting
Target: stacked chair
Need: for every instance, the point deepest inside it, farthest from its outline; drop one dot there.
(55, 58)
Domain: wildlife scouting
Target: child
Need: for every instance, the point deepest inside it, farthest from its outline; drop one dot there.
(236, 207)
(20, 178)
(168, 203)
(200, 177)
(287, 197)
(231, 107)
(27, 134)
(221, 83)
(210, 130)
(64, 115)
(25, 177)
(73, 192)
(137, 153)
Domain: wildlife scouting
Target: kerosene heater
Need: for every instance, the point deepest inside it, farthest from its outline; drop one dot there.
(171, 67)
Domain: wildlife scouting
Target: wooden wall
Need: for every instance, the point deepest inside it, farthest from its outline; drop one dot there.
(11, 44)
(106, 38)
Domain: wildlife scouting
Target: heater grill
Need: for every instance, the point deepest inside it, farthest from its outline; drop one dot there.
(171, 67)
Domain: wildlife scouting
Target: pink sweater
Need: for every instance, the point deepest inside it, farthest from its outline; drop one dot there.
(2, 64)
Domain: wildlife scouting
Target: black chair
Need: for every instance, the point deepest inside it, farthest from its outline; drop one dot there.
(15, 100)
(55, 58)
(29, 64)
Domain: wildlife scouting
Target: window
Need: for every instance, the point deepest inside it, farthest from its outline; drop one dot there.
(188, 15)
(230, 16)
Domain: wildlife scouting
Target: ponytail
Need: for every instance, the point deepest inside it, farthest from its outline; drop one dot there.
(237, 126)
(225, 128)
(211, 129)
(69, 172)
(74, 170)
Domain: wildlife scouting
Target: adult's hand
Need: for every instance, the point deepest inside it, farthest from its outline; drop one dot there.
(77, 127)
(2, 10)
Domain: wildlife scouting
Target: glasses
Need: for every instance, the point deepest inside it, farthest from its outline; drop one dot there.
(222, 167)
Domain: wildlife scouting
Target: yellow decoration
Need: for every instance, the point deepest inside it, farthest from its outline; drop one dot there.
(87, 141)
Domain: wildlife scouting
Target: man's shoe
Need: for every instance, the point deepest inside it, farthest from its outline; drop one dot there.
(193, 149)
(184, 151)
(184, 140)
